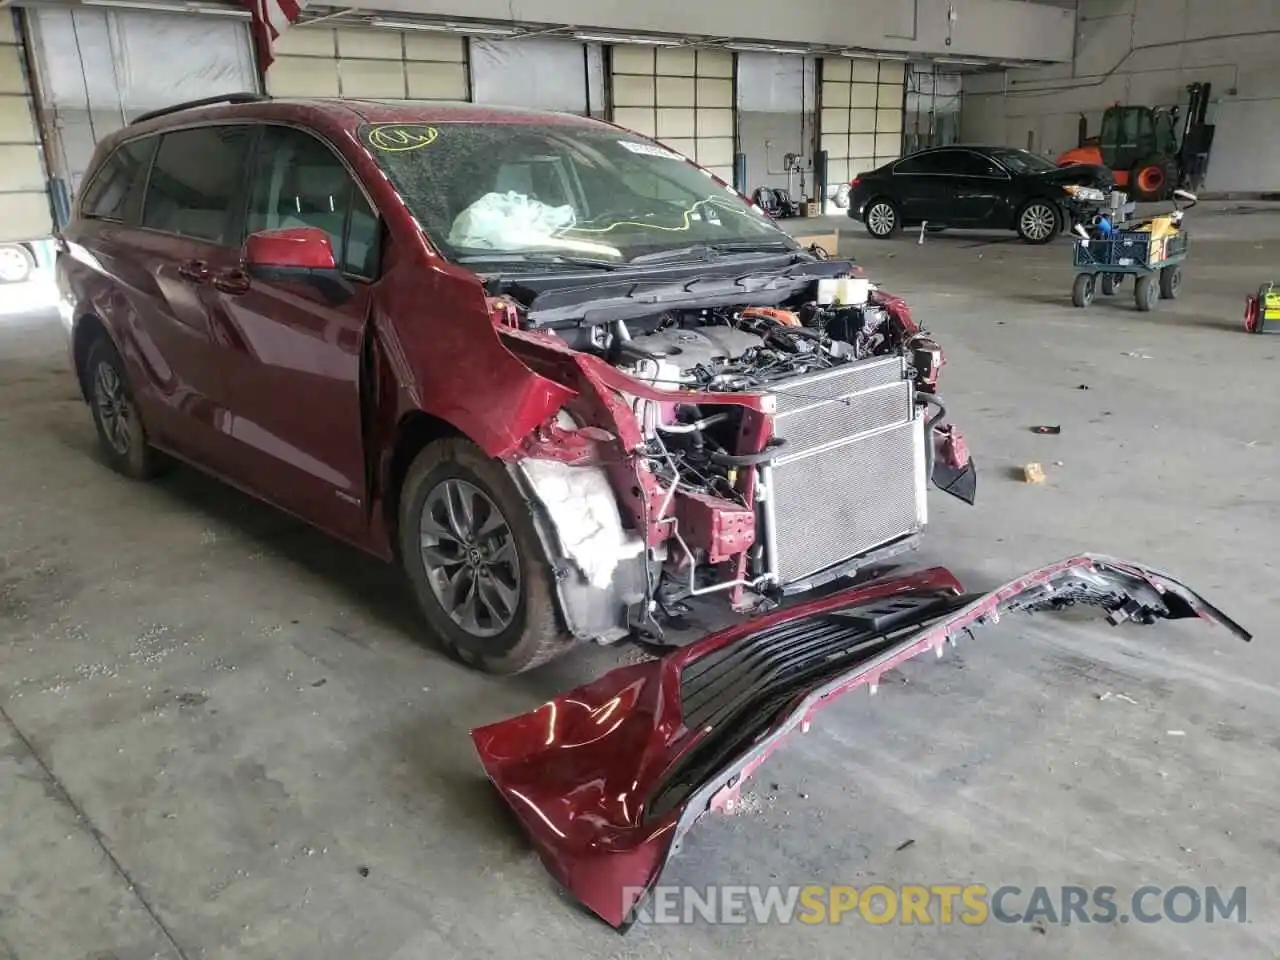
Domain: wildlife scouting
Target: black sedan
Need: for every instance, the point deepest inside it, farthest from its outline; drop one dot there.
(996, 188)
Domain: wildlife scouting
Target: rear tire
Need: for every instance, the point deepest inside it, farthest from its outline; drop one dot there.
(1039, 221)
(1109, 283)
(121, 434)
(480, 575)
(1082, 290)
(1170, 282)
(881, 218)
(1146, 292)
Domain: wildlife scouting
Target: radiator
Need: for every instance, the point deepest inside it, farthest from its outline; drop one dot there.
(851, 475)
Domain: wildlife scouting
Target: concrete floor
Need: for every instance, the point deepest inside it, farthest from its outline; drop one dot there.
(216, 722)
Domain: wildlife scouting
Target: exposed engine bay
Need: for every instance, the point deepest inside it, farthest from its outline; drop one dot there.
(743, 350)
(768, 445)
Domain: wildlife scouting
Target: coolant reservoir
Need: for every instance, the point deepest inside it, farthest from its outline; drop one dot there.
(844, 291)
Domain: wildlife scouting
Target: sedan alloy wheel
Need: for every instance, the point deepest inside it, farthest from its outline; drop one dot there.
(881, 219)
(1038, 222)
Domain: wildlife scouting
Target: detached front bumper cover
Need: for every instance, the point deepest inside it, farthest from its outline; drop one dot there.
(608, 778)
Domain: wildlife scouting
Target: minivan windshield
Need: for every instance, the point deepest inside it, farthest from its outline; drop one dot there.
(570, 192)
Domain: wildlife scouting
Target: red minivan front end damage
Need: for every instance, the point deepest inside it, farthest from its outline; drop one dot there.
(607, 778)
(723, 444)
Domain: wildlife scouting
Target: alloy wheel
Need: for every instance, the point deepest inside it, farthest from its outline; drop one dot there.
(881, 219)
(114, 409)
(469, 554)
(1038, 221)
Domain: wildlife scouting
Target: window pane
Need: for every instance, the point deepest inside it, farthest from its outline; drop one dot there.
(301, 182)
(364, 239)
(116, 192)
(974, 165)
(936, 162)
(195, 182)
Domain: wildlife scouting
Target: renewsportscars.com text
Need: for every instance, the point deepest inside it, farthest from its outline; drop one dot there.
(941, 904)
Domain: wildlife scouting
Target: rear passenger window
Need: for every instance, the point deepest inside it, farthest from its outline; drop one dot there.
(196, 181)
(938, 162)
(116, 192)
(299, 181)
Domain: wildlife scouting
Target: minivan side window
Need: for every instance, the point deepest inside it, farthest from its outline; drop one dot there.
(298, 181)
(115, 193)
(195, 182)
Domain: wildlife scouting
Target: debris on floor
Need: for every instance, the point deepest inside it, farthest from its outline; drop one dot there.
(1117, 696)
(903, 845)
(746, 804)
(1044, 430)
(1033, 473)
(1137, 356)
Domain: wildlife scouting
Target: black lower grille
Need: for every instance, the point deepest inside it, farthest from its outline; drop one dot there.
(734, 693)
(714, 687)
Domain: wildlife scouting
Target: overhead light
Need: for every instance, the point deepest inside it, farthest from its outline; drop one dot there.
(874, 55)
(642, 41)
(215, 10)
(765, 48)
(961, 62)
(472, 29)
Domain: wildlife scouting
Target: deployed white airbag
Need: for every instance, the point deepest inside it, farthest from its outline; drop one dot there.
(512, 222)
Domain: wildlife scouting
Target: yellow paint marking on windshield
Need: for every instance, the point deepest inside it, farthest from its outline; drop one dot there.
(398, 137)
(717, 202)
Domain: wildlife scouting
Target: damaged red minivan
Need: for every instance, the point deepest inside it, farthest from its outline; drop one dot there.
(568, 379)
(574, 385)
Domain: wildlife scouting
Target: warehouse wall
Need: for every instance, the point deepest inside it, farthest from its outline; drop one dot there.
(1146, 52)
(1009, 29)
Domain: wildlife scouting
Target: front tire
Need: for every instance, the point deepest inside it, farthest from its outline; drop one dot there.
(121, 435)
(474, 561)
(1146, 292)
(1039, 221)
(1170, 282)
(882, 219)
(1082, 290)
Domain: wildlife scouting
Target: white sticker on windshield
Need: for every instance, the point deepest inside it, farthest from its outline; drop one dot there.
(649, 150)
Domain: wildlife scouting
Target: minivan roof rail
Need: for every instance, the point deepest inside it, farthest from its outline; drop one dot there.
(202, 102)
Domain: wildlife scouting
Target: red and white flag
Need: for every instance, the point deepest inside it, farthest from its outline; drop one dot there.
(270, 19)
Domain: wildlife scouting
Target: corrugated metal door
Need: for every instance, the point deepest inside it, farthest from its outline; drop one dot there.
(537, 72)
(99, 69)
(24, 198)
(320, 61)
(861, 118)
(682, 96)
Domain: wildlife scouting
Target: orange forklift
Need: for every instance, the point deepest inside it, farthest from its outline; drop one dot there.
(1146, 151)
